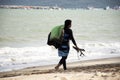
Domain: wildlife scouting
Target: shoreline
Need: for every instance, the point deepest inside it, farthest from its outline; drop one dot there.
(82, 67)
(27, 7)
(30, 7)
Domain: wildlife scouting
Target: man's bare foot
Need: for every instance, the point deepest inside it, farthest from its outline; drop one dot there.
(56, 68)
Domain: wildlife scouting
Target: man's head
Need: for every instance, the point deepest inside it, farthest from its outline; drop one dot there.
(67, 24)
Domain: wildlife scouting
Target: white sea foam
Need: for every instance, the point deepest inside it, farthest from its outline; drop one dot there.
(17, 58)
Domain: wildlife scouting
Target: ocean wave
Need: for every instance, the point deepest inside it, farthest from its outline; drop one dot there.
(31, 56)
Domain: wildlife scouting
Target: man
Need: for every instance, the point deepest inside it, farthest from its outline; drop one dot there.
(63, 49)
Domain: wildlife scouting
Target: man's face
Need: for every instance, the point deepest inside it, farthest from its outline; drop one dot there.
(70, 25)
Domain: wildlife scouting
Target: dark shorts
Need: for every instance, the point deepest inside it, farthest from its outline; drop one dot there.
(63, 50)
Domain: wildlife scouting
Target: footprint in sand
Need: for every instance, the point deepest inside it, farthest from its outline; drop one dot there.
(63, 78)
(59, 78)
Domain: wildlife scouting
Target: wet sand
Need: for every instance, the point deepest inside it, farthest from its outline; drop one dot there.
(99, 69)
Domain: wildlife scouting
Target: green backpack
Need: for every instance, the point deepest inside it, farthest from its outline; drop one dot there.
(55, 37)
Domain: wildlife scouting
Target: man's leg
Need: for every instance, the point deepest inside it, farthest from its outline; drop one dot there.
(64, 62)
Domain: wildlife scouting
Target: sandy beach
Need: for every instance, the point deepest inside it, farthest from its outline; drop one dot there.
(99, 69)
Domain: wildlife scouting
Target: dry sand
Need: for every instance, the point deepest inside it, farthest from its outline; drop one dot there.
(101, 69)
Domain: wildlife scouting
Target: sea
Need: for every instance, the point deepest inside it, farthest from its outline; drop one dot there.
(24, 33)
